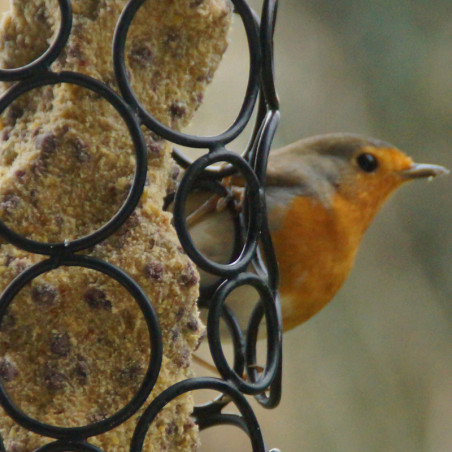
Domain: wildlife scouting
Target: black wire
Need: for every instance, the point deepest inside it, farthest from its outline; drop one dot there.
(78, 433)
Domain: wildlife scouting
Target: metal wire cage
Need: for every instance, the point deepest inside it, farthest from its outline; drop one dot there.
(252, 237)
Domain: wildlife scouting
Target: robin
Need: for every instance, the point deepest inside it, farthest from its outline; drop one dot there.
(322, 194)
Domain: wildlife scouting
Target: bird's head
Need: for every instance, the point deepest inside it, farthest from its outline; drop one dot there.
(360, 171)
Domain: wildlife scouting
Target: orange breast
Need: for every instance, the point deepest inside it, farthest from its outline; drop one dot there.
(315, 247)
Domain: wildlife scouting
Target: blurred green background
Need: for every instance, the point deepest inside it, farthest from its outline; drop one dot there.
(373, 371)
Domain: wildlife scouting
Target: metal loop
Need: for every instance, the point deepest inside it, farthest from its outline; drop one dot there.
(97, 428)
(250, 424)
(272, 396)
(51, 54)
(253, 385)
(252, 32)
(264, 139)
(269, 13)
(133, 197)
(254, 195)
(65, 446)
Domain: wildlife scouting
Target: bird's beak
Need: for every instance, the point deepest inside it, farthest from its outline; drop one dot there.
(417, 170)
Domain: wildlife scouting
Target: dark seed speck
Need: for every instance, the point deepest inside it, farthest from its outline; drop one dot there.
(81, 369)
(44, 295)
(154, 148)
(54, 379)
(8, 322)
(97, 299)
(141, 55)
(14, 113)
(180, 313)
(40, 14)
(46, 143)
(80, 150)
(174, 334)
(183, 360)
(177, 110)
(8, 371)
(20, 174)
(10, 202)
(133, 221)
(154, 270)
(193, 325)
(129, 374)
(60, 344)
(189, 278)
(6, 133)
(74, 51)
(171, 428)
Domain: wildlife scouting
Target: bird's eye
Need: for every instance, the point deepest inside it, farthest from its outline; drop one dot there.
(367, 162)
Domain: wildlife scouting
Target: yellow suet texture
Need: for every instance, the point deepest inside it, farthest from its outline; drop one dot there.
(74, 345)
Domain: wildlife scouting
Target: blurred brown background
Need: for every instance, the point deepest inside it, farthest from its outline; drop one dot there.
(373, 371)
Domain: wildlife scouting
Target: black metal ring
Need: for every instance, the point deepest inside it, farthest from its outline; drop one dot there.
(206, 290)
(97, 428)
(119, 43)
(259, 162)
(65, 446)
(206, 409)
(265, 262)
(221, 419)
(254, 194)
(193, 384)
(272, 396)
(136, 190)
(264, 140)
(238, 338)
(253, 386)
(51, 54)
(268, 22)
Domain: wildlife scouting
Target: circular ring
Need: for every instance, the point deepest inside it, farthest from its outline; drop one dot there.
(97, 428)
(206, 290)
(255, 196)
(64, 446)
(273, 397)
(260, 160)
(205, 410)
(238, 340)
(265, 264)
(119, 43)
(252, 427)
(209, 174)
(268, 22)
(215, 419)
(264, 141)
(273, 334)
(51, 54)
(139, 180)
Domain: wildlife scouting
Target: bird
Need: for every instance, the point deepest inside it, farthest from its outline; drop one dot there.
(321, 195)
